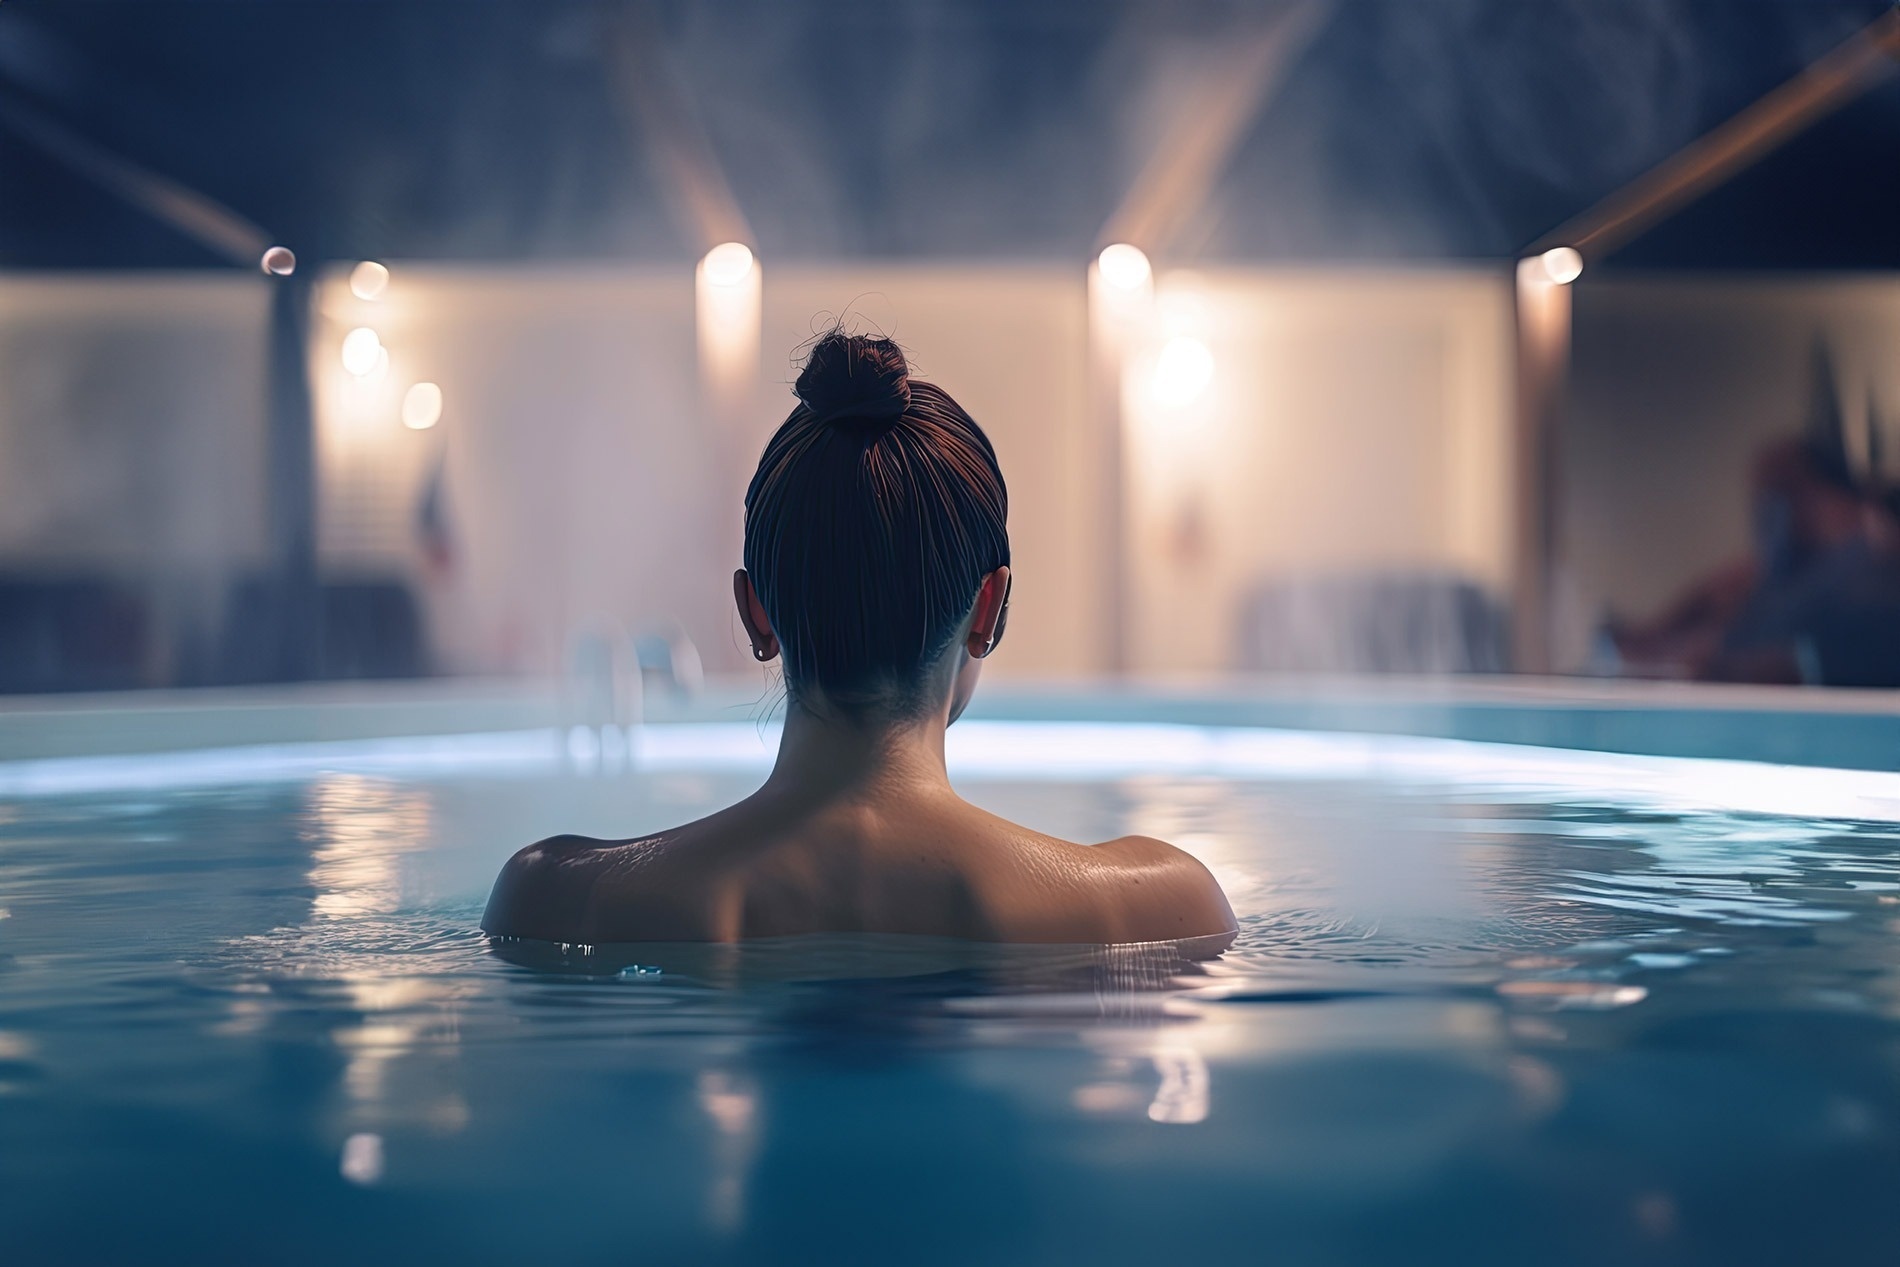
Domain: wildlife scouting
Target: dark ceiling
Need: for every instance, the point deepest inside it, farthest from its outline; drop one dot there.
(493, 129)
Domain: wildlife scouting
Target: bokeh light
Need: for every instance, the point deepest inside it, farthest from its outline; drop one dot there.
(279, 261)
(1563, 264)
(369, 280)
(362, 351)
(1124, 267)
(728, 263)
(421, 406)
(1182, 372)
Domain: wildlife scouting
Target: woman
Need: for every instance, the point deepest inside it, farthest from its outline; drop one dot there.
(877, 565)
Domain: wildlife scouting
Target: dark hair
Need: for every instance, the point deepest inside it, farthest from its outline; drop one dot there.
(875, 514)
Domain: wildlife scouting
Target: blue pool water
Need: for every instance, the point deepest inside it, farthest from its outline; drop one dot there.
(1489, 1005)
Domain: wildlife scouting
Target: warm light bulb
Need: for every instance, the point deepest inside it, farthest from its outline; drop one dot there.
(1124, 267)
(728, 263)
(421, 406)
(1182, 372)
(1563, 264)
(362, 351)
(369, 280)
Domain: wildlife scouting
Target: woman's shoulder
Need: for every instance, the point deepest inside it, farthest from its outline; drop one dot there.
(551, 890)
(1132, 888)
(1164, 892)
(542, 888)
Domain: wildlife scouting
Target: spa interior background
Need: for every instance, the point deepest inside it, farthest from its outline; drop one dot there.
(1340, 411)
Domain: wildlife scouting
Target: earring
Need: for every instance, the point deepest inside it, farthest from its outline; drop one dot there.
(758, 653)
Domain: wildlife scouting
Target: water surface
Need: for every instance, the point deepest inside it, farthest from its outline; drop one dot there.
(1464, 1022)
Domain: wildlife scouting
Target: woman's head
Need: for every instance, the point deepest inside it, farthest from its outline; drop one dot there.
(874, 533)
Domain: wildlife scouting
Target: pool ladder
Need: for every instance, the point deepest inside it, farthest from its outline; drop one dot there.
(609, 680)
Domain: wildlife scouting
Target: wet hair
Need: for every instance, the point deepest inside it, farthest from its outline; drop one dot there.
(876, 512)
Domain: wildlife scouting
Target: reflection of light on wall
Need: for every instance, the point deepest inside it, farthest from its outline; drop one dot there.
(1167, 367)
(370, 464)
(1121, 299)
(422, 406)
(279, 261)
(1543, 306)
(1181, 373)
(727, 293)
(1543, 365)
(1174, 433)
(1562, 264)
(369, 280)
(363, 352)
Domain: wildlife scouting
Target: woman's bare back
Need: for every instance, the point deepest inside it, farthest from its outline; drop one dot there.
(931, 865)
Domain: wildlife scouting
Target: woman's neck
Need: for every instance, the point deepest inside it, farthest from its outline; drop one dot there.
(825, 754)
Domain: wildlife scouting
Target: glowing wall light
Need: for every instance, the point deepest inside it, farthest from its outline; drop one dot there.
(369, 280)
(363, 352)
(727, 292)
(1121, 301)
(1182, 372)
(422, 406)
(1562, 264)
(728, 264)
(1125, 267)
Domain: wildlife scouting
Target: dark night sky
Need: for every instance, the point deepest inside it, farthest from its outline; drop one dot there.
(478, 129)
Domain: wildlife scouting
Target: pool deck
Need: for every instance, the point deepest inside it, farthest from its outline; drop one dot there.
(1840, 729)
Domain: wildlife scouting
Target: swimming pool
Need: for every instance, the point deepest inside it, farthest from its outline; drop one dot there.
(1489, 1004)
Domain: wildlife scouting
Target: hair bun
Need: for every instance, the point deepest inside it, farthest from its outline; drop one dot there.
(854, 377)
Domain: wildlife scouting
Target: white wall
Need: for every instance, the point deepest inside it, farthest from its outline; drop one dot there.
(131, 421)
(579, 473)
(132, 440)
(591, 487)
(1355, 422)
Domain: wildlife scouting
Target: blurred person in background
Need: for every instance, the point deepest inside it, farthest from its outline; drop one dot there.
(1817, 599)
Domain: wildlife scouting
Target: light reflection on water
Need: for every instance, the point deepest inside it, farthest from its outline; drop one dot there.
(1441, 1005)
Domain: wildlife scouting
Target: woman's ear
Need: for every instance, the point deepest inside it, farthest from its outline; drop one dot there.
(752, 616)
(991, 614)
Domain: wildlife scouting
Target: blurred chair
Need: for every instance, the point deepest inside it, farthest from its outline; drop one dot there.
(372, 628)
(368, 627)
(1402, 622)
(669, 660)
(603, 701)
(72, 634)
